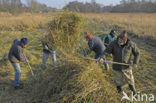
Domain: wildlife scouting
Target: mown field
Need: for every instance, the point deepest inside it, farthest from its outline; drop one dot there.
(56, 85)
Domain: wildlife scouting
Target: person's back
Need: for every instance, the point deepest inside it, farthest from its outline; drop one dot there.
(13, 51)
(108, 38)
(96, 45)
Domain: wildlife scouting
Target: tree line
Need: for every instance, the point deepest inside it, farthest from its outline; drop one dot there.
(148, 6)
(16, 6)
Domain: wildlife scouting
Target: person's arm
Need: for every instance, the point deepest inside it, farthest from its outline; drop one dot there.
(106, 42)
(109, 49)
(88, 51)
(103, 38)
(136, 54)
(20, 54)
(91, 44)
(45, 46)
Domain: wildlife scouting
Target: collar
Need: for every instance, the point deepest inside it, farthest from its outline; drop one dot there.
(21, 44)
(125, 43)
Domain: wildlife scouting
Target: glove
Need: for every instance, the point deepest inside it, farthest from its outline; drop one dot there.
(101, 60)
(134, 65)
(46, 47)
(54, 51)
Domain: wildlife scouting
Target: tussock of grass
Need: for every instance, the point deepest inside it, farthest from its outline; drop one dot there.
(65, 28)
(73, 83)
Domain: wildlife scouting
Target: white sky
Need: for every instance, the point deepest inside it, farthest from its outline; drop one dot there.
(61, 3)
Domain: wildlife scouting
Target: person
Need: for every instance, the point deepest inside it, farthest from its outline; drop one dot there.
(15, 56)
(48, 50)
(108, 38)
(122, 50)
(95, 44)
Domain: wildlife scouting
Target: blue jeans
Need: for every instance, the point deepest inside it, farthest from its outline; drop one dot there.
(17, 73)
(45, 58)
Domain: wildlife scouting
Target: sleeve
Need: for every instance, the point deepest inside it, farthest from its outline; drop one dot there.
(136, 53)
(106, 41)
(44, 45)
(103, 38)
(91, 44)
(109, 49)
(20, 55)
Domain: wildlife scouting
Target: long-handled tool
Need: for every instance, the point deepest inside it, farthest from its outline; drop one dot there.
(29, 65)
(117, 63)
(109, 62)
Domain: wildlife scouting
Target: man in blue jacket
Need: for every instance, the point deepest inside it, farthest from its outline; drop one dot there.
(95, 44)
(16, 55)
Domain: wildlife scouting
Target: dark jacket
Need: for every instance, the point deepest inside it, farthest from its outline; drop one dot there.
(107, 39)
(95, 44)
(16, 52)
(123, 54)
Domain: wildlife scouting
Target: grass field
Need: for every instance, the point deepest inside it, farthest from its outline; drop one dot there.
(88, 83)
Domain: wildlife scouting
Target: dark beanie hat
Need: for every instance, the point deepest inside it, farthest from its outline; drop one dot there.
(24, 41)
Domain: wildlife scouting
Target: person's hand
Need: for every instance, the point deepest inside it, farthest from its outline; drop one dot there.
(101, 60)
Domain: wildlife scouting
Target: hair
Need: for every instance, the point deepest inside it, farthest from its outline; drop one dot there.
(123, 36)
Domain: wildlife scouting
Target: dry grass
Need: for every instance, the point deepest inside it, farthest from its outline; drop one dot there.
(142, 24)
(75, 80)
(23, 21)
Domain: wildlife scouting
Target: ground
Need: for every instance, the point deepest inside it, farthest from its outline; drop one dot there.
(144, 74)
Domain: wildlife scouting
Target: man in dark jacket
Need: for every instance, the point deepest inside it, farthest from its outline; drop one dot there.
(122, 49)
(15, 57)
(108, 38)
(95, 44)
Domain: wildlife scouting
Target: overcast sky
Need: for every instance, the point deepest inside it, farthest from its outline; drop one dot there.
(61, 3)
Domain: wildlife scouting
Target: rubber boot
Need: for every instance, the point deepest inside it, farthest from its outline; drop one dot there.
(19, 87)
(106, 65)
(54, 58)
(119, 89)
(43, 67)
(132, 88)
